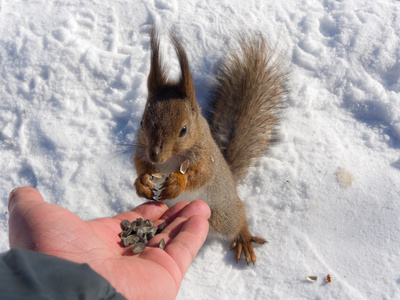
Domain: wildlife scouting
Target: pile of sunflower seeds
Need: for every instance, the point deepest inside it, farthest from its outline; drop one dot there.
(138, 233)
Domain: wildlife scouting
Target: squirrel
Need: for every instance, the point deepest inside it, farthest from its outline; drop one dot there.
(216, 152)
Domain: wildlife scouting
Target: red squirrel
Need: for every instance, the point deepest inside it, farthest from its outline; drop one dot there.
(245, 104)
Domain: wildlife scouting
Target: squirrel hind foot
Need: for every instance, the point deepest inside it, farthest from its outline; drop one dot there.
(246, 246)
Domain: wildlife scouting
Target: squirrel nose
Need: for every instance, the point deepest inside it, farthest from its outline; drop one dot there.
(155, 152)
(158, 149)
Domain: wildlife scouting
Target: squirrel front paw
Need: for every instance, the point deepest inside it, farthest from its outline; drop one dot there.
(144, 186)
(173, 186)
(245, 244)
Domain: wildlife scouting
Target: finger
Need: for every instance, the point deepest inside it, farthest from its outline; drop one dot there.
(20, 203)
(173, 212)
(27, 194)
(29, 215)
(184, 247)
(147, 210)
(158, 212)
(176, 216)
(186, 210)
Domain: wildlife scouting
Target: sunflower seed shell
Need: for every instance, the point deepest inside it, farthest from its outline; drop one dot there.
(161, 244)
(138, 247)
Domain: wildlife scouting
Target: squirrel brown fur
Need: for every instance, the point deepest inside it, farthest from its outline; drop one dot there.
(246, 101)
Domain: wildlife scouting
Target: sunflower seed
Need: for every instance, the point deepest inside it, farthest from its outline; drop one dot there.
(157, 175)
(184, 166)
(139, 222)
(125, 233)
(153, 230)
(140, 231)
(129, 240)
(138, 247)
(312, 278)
(125, 224)
(161, 244)
(149, 235)
(148, 223)
(143, 239)
(133, 225)
(161, 227)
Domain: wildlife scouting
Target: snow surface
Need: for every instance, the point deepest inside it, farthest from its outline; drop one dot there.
(327, 196)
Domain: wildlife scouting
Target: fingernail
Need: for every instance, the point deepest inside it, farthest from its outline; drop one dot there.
(12, 193)
(10, 196)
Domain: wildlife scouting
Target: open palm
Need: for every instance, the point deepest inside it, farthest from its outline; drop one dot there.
(154, 273)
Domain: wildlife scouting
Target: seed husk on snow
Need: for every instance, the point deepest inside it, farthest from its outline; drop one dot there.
(328, 278)
(312, 278)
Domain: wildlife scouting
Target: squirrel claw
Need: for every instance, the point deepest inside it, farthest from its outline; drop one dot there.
(247, 248)
(233, 245)
(173, 186)
(144, 186)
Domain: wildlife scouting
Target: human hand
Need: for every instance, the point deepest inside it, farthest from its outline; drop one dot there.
(48, 228)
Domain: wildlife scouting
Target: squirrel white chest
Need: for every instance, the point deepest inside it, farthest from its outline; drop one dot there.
(172, 165)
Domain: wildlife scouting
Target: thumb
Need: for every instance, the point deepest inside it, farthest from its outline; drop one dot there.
(21, 205)
(25, 194)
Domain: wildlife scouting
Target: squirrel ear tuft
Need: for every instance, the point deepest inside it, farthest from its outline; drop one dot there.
(157, 76)
(185, 83)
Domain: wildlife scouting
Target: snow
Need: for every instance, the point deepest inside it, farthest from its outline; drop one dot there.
(73, 88)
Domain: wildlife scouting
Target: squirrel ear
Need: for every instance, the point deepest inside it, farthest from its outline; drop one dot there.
(157, 76)
(186, 85)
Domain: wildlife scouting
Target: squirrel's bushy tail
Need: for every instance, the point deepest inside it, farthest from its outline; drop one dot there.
(246, 102)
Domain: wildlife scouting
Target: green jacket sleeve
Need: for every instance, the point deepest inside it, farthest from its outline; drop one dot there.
(26, 274)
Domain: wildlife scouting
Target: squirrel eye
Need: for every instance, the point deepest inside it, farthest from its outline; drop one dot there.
(183, 131)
